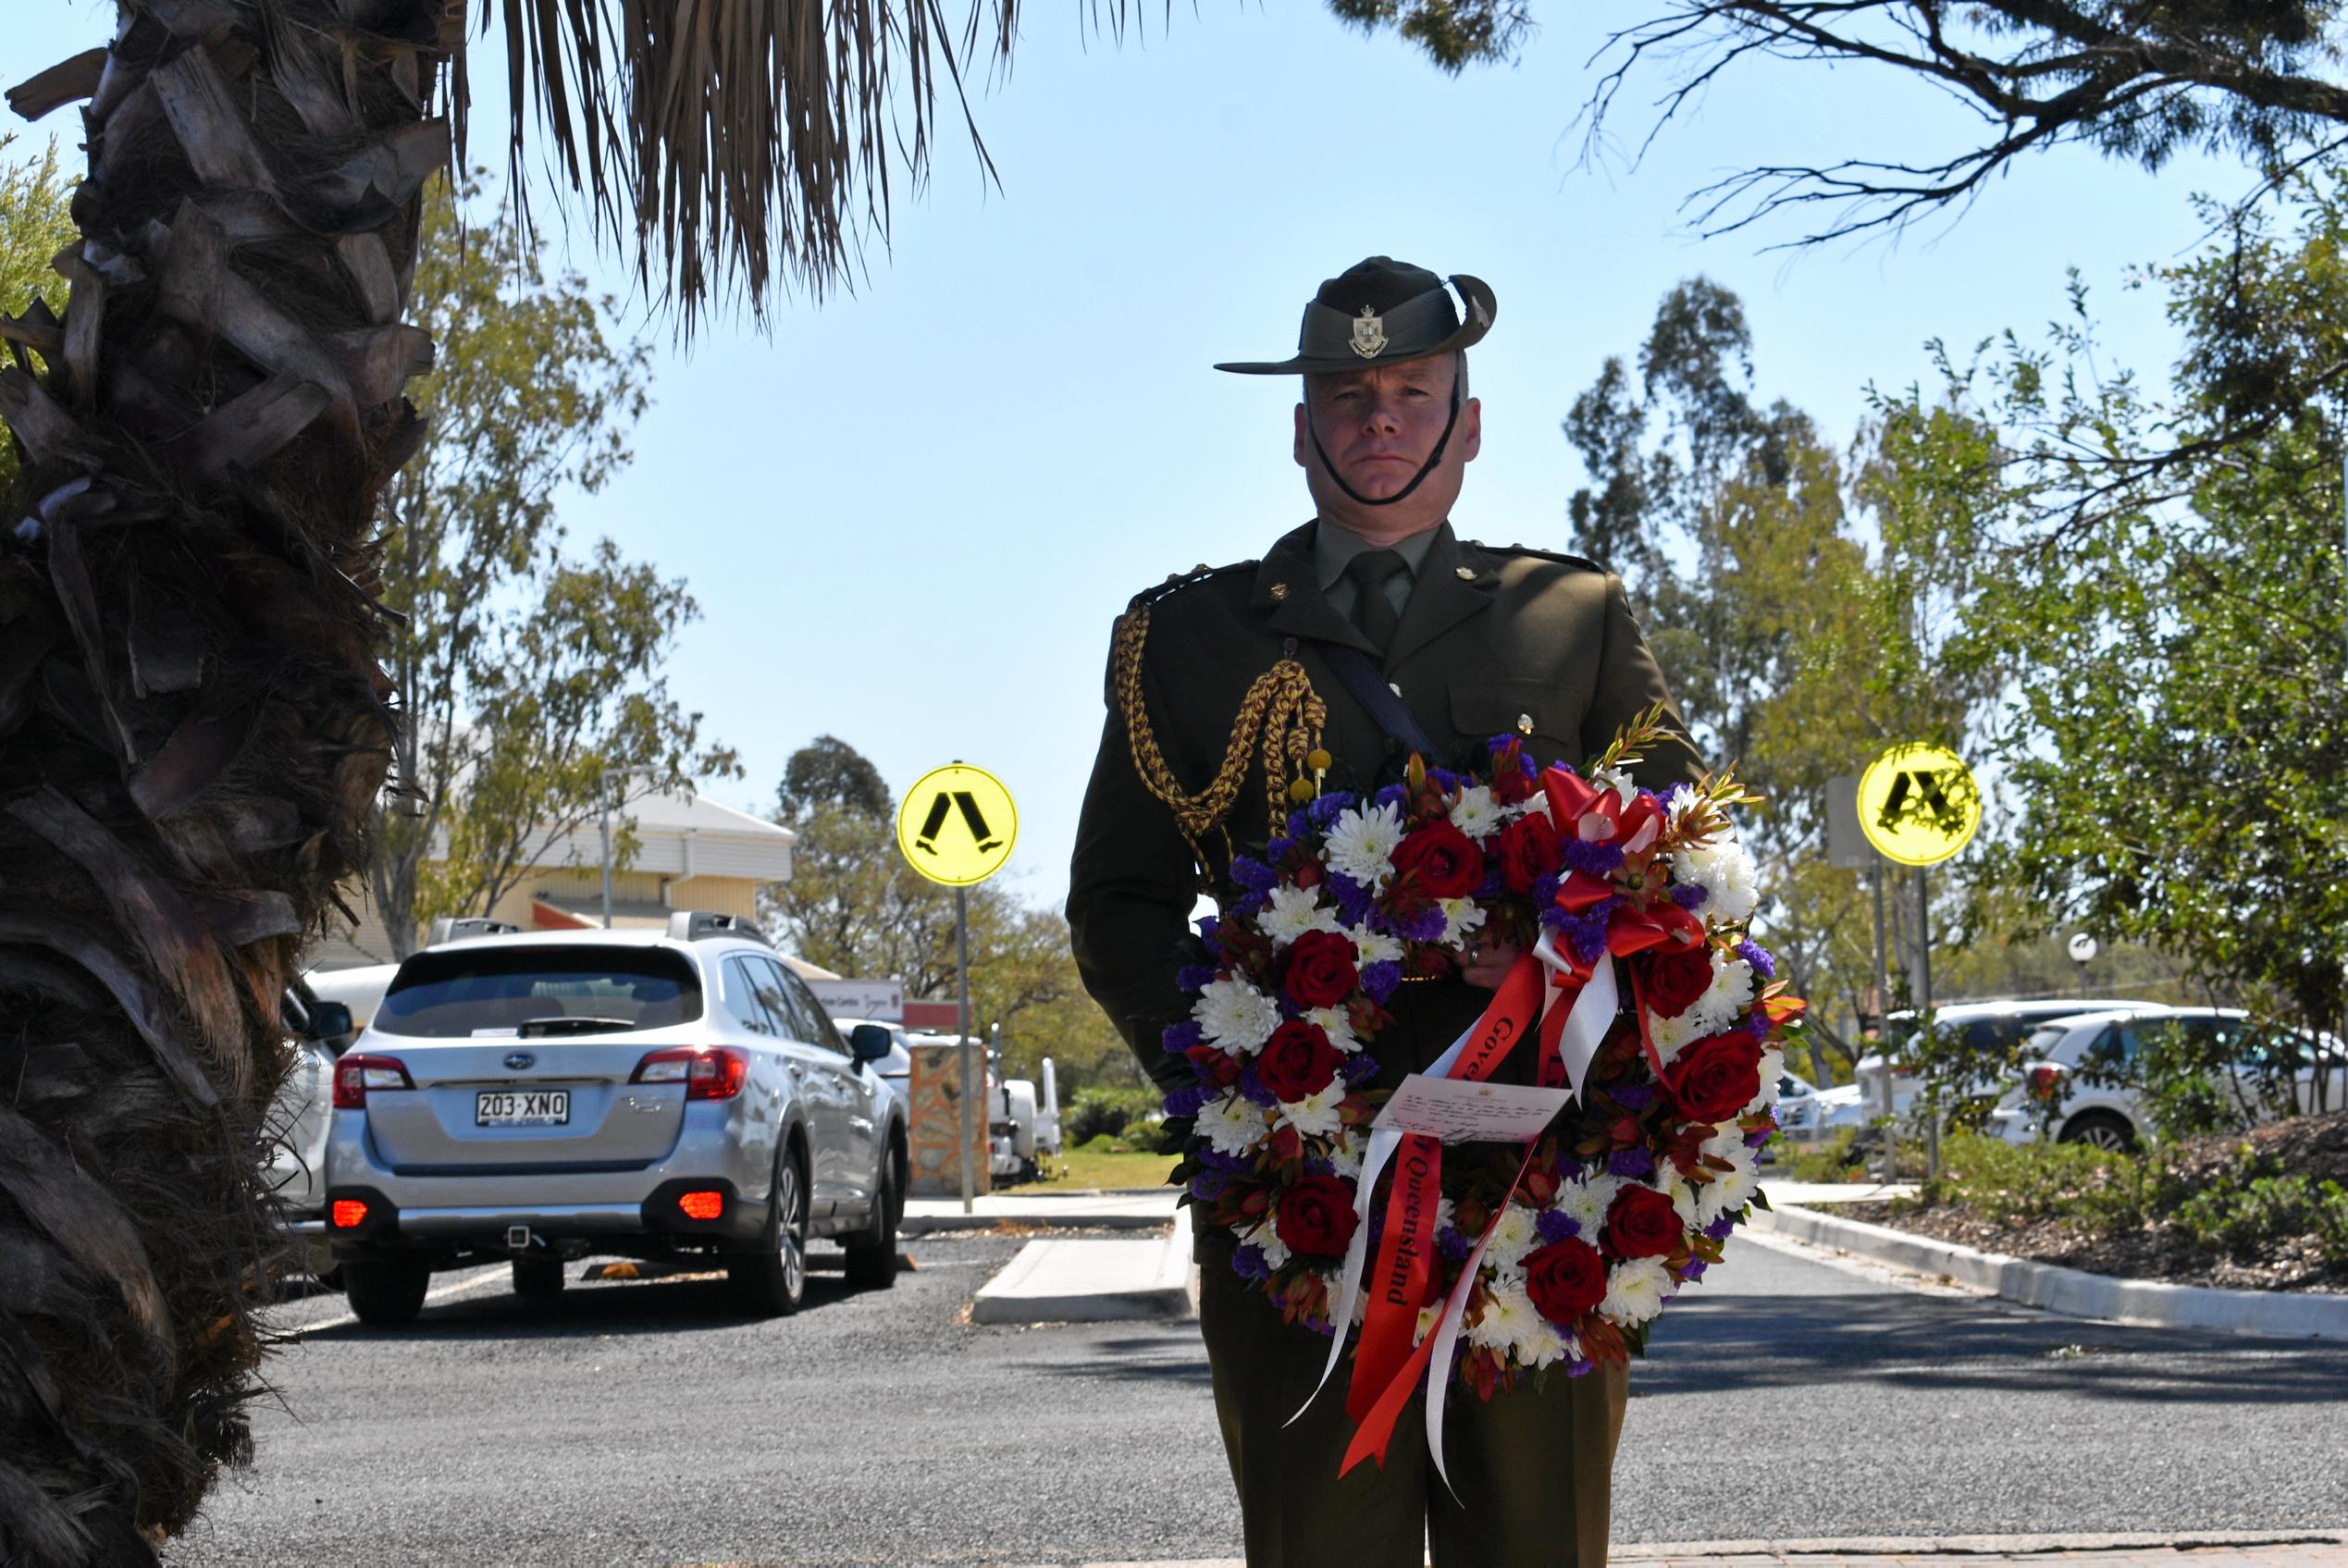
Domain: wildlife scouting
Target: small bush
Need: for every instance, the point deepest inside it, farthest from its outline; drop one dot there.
(2015, 1184)
(1835, 1162)
(2241, 1218)
(1096, 1112)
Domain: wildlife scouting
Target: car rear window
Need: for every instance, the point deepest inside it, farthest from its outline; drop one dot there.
(536, 991)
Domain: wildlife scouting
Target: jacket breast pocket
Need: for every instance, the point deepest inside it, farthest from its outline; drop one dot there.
(1481, 709)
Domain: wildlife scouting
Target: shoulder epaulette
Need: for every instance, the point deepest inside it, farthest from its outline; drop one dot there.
(1585, 563)
(1177, 581)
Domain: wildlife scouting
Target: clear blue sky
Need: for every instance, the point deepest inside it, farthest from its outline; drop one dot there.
(911, 514)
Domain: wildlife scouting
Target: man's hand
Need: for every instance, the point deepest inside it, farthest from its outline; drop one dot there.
(1489, 963)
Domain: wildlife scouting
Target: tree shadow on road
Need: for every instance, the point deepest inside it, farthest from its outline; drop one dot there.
(1758, 1341)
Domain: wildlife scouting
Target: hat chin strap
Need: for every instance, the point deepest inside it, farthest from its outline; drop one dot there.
(1312, 427)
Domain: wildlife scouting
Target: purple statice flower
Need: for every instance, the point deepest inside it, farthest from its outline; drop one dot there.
(1442, 779)
(1694, 1271)
(1758, 1136)
(1597, 858)
(1632, 1097)
(1214, 1159)
(1352, 898)
(1392, 795)
(1497, 745)
(1556, 1225)
(1186, 1102)
(1298, 822)
(1756, 955)
(1688, 895)
(1635, 1162)
(1251, 1085)
(1495, 882)
(1379, 980)
(1719, 1229)
(1209, 1185)
(1320, 1164)
(1325, 811)
(1195, 977)
(1580, 1368)
(1278, 849)
(1453, 1243)
(1584, 935)
(1426, 925)
(1545, 888)
(1252, 874)
(1758, 1021)
(1180, 1037)
(1207, 926)
(1248, 1263)
(1357, 1068)
(1568, 1168)
(1247, 905)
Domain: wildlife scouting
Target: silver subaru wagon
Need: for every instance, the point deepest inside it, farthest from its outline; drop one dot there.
(657, 1096)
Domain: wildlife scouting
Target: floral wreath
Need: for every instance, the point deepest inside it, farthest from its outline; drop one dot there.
(1624, 1199)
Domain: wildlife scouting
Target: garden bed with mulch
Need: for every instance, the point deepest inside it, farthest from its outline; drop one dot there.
(2151, 1242)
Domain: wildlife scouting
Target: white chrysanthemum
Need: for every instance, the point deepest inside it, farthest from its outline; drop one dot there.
(1584, 1202)
(1232, 1125)
(1362, 842)
(1460, 917)
(1276, 1252)
(1726, 874)
(1293, 911)
(1542, 1345)
(1728, 1194)
(1509, 1318)
(1476, 814)
(1514, 1236)
(1727, 1144)
(1677, 804)
(1235, 1015)
(1620, 783)
(1333, 1022)
(1376, 947)
(1773, 1072)
(1683, 1196)
(1345, 1156)
(1428, 1316)
(1635, 1291)
(1316, 1116)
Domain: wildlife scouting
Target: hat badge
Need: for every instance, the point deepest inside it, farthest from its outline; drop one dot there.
(1369, 333)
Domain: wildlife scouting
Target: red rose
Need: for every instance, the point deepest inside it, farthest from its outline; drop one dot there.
(1320, 969)
(1217, 1067)
(1715, 1078)
(1566, 1280)
(1315, 1216)
(1641, 1223)
(1529, 851)
(1443, 860)
(1674, 980)
(1298, 1060)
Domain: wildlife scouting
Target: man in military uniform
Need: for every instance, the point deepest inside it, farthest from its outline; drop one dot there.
(1220, 684)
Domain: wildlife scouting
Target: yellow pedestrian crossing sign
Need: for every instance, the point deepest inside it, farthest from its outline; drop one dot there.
(956, 825)
(1918, 804)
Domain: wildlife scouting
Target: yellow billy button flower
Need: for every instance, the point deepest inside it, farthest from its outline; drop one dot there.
(1301, 791)
(1319, 760)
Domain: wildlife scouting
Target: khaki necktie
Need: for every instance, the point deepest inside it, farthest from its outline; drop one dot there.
(1373, 612)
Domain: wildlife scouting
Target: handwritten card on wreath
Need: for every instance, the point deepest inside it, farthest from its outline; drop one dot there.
(1459, 1111)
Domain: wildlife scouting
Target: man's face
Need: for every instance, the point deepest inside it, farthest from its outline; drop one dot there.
(1377, 425)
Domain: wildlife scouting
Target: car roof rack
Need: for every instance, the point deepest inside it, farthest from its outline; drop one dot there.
(700, 925)
(456, 928)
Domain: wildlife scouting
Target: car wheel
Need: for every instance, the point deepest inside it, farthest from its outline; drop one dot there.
(537, 1278)
(772, 1282)
(871, 1257)
(387, 1291)
(2100, 1130)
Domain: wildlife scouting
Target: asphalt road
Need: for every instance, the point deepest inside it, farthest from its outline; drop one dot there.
(640, 1424)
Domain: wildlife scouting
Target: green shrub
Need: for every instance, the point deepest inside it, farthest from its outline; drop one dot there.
(2018, 1182)
(1099, 1111)
(1835, 1162)
(2243, 1217)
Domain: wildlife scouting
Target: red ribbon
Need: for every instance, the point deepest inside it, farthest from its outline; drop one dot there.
(1383, 1359)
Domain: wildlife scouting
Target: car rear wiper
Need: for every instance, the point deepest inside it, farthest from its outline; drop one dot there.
(572, 1023)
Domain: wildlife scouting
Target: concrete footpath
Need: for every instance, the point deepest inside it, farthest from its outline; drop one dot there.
(2219, 1549)
(1143, 1208)
(1142, 1272)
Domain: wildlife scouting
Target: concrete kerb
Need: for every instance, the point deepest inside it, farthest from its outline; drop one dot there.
(2263, 1549)
(2143, 1303)
(1077, 1279)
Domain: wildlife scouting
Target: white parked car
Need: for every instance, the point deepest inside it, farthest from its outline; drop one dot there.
(1986, 1031)
(2072, 1081)
(1801, 1119)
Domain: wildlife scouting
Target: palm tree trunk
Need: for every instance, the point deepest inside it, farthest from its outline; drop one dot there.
(194, 725)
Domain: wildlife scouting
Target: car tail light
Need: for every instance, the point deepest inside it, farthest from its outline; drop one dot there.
(701, 1205)
(348, 1213)
(354, 1075)
(709, 1072)
(2043, 1081)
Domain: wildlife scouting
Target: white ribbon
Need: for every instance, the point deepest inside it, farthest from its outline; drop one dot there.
(1593, 1011)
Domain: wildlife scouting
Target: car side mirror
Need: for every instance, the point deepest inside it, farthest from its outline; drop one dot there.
(870, 1042)
(328, 1021)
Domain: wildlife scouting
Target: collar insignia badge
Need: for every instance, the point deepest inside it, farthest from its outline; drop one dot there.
(1466, 574)
(1525, 723)
(1279, 592)
(1369, 334)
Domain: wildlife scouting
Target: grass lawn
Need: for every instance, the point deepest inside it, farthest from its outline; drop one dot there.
(1078, 1169)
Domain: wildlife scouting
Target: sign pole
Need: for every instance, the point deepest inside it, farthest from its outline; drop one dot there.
(969, 1096)
(1924, 1017)
(1883, 1023)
